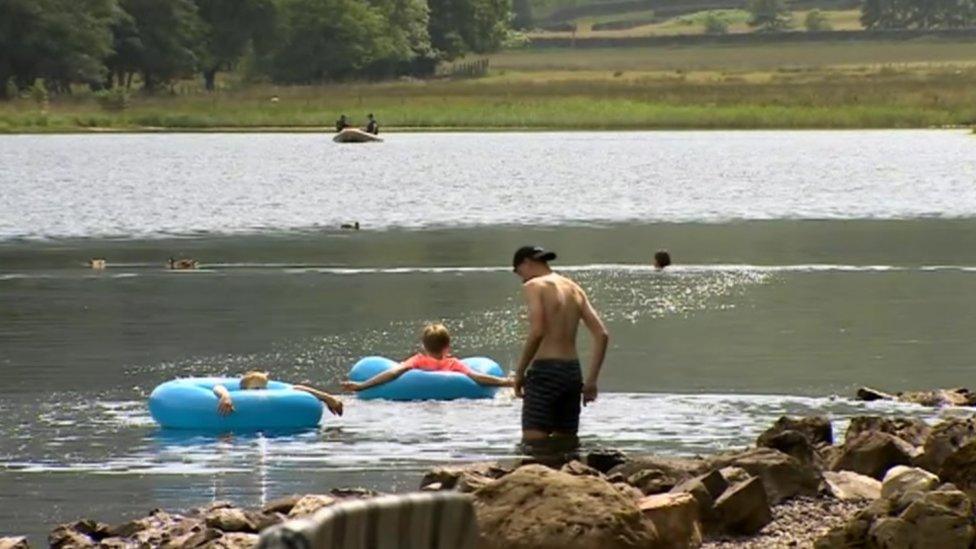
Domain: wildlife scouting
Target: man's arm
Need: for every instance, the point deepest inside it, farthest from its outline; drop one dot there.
(332, 403)
(378, 379)
(224, 404)
(601, 338)
(537, 331)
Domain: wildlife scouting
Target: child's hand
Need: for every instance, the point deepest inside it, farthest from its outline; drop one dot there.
(334, 405)
(349, 385)
(225, 406)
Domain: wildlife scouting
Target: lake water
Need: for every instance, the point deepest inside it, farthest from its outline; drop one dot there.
(808, 263)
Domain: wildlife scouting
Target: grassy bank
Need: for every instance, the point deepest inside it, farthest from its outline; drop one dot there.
(898, 85)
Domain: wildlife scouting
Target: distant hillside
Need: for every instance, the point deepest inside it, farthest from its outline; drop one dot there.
(553, 13)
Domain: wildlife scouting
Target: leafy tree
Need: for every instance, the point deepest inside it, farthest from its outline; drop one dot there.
(322, 40)
(816, 21)
(872, 12)
(523, 19)
(229, 26)
(770, 15)
(919, 14)
(170, 35)
(62, 41)
(409, 47)
(458, 27)
(715, 24)
(127, 51)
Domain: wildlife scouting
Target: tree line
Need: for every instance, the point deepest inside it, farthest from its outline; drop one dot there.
(918, 14)
(106, 43)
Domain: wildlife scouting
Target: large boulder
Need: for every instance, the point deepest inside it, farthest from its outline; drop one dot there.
(673, 466)
(795, 444)
(230, 520)
(851, 486)
(782, 475)
(78, 534)
(463, 478)
(744, 508)
(14, 542)
(236, 540)
(654, 481)
(939, 397)
(901, 480)
(816, 429)
(604, 459)
(941, 519)
(309, 504)
(675, 517)
(945, 439)
(535, 507)
(911, 430)
(960, 469)
(872, 453)
(706, 489)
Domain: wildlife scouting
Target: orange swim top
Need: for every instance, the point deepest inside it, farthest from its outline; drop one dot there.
(428, 363)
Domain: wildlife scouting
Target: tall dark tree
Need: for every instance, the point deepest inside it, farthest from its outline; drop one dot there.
(62, 41)
(229, 26)
(321, 40)
(170, 34)
(522, 14)
(458, 27)
(409, 38)
(770, 15)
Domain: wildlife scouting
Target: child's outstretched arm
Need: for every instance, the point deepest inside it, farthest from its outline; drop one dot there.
(225, 405)
(491, 381)
(378, 379)
(332, 403)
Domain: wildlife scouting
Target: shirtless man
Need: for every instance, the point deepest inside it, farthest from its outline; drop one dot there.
(549, 377)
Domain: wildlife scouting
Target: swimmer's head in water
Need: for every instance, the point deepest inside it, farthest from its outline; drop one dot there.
(436, 339)
(662, 259)
(254, 380)
(530, 261)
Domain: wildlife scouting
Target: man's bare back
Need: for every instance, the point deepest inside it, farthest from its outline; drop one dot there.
(549, 375)
(562, 302)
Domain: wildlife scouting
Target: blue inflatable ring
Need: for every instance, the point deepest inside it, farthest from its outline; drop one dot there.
(424, 385)
(191, 404)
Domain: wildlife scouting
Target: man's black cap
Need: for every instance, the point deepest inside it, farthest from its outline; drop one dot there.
(536, 253)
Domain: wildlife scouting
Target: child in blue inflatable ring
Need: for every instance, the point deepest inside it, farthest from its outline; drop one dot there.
(255, 380)
(435, 357)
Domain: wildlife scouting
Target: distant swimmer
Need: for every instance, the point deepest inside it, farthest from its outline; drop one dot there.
(97, 263)
(372, 126)
(255, 381)
(549, 377)
(435, 356)
(342, 123)
(662, 259)
(182, 264)
(350, 226)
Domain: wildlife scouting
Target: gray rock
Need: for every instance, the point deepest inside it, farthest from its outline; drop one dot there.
(851, 486)
(604, 459)
(816, 429)
(14, 542)
(911, 430)
(744, 508)
(782, 475)
(944, 440)
(901, 479)
(872, 453)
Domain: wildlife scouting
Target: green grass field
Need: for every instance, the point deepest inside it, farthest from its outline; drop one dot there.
(821, 85)
(693, 23)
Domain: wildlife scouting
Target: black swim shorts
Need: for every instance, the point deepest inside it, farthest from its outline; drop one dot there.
(553, 391)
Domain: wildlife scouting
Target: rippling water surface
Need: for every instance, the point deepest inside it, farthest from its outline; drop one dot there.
(150, 185)
(808, 263)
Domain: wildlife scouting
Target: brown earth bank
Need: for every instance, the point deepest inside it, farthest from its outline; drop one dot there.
(894, 482)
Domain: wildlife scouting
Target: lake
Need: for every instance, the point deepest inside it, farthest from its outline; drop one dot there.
(807, 264)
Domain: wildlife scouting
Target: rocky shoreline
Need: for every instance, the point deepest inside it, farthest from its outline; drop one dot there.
(894, 482)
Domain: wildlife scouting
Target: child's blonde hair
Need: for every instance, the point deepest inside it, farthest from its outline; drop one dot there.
(254, 380)
(436, 339)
